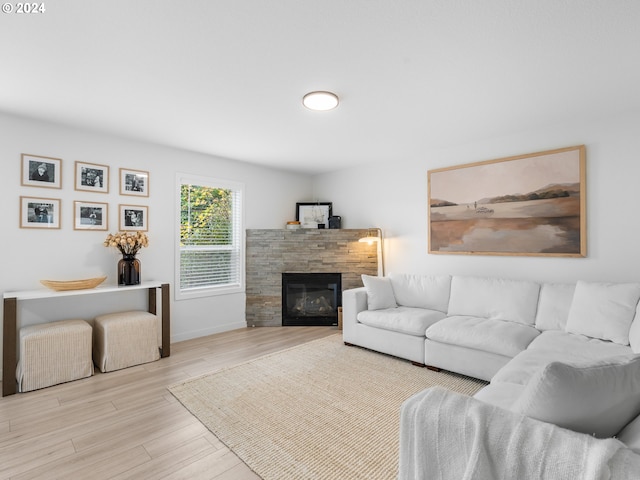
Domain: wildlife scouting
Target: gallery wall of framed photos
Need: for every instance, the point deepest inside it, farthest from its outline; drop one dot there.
(89, 213)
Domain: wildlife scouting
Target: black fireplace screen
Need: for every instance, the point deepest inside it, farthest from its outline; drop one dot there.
(310, 299)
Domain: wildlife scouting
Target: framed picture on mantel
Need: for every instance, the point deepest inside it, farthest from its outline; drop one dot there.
(314, 214)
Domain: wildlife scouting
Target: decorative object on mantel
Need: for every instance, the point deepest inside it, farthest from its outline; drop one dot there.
(311, 214)
(335, 222)
(128, 243)
(65, 285)
(375, 235)
(295, 225)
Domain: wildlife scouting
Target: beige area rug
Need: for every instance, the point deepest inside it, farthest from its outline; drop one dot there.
(320, 410)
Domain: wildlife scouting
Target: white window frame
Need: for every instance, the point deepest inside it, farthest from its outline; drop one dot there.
(239, 238)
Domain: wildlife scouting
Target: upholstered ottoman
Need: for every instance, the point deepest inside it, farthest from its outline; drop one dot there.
(125, 339)
(53, 353)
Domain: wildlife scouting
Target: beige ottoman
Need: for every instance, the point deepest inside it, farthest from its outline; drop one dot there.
(124, 339)
(53, 353)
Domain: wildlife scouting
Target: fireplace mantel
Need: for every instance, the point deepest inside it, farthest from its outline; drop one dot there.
(271, 252)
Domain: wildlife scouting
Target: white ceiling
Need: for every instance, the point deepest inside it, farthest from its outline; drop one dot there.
(227, 77)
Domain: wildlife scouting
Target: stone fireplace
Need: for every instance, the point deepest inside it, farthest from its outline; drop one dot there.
(270, 253)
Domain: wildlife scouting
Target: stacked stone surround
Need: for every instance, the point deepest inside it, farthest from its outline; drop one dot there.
(269, 253)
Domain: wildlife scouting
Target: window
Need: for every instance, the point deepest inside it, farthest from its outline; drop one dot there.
(210, 253)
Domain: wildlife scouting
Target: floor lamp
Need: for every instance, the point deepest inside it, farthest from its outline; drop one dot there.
(375, 235)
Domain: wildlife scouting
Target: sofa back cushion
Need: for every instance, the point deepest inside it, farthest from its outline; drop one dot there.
(421, 291)
(634, 332)
(494, 298)
(603, 310)
(598, 398)
(554, 305)
(379, 292)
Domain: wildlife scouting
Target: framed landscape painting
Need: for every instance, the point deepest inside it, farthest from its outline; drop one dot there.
(533, 205)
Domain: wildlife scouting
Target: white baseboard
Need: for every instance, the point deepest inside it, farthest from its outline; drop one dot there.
(207, 331)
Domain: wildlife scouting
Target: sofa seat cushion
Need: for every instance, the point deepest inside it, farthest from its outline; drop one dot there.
(501, 395)
(495, 336)
(579, 345)
(557, 346)
(412, 321)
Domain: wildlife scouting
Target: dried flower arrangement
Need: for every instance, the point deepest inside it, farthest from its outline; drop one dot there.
(128, 243)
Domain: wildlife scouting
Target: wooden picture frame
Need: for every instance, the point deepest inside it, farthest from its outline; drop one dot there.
(134, 182)
(90, 215)
(91, 177)
(37, 212)
(529, 205)
(314, 214)
(133, 218)
(39, 171)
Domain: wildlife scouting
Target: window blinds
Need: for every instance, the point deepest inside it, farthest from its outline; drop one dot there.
(210, 237)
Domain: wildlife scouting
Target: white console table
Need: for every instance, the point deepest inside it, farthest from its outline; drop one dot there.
(9, 339)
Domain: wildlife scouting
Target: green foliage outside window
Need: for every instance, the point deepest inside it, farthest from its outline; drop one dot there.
(206, 216)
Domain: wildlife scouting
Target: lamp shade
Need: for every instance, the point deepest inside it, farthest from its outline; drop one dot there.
(371, 237)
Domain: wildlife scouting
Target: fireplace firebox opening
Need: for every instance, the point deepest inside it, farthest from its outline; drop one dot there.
(311, 299)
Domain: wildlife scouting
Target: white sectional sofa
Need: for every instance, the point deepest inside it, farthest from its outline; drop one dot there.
(564, 354)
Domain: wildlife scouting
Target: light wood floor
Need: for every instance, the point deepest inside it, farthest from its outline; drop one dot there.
(126, 424)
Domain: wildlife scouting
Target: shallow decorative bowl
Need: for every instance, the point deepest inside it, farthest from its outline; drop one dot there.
(60, 286)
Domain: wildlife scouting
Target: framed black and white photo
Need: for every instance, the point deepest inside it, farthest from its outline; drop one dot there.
(134, 182)
(313, 214)
(90, 216)
(134, 218)
(38, 171)
(92, 177)
(38, 212)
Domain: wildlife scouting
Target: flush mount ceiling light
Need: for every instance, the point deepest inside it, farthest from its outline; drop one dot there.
(320, 101)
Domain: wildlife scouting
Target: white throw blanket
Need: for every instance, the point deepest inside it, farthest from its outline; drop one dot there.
(448, 436)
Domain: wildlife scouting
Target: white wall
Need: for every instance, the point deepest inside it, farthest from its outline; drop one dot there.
(29, 255)
(393, 196)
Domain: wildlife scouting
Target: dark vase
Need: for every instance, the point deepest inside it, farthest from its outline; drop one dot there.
(128, 270)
